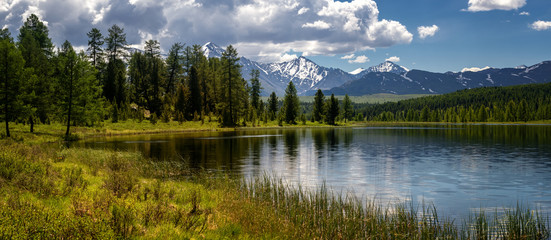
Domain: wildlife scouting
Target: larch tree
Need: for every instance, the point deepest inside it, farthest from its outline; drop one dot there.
(37, 50)
(95, 43)
(114, 85)
(291, 104)
(255, 89)
(317, 112)
(11, 69)
(272, 105)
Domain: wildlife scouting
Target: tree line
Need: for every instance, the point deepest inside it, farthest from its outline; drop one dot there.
(488, 104)
(110, 81)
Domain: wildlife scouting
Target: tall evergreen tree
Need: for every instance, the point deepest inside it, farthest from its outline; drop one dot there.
(174, 67)
(291, 104)
(233, 85)
(114, 85)
(255, 89)
(95, 43)
(36, 48)
(317, 112)
(348, 109)
(195, 92)
(11, 69)
(272, 106)
(332, 110)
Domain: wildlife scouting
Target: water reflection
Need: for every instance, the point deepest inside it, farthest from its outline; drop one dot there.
(458, 167)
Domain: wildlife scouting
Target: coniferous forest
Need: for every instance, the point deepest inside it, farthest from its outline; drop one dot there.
(41, 83)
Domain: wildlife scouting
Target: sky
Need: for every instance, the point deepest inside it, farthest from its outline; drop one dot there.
(432, 35)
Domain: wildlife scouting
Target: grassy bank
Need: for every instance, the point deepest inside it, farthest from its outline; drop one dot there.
(49, 191)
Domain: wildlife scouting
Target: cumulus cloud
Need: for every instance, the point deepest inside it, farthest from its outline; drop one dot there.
(427, 31)
(488, 5)
(393, 59)
(348, 56)
(541, 25)
(317, 25)
(263, 30)
(359, 59)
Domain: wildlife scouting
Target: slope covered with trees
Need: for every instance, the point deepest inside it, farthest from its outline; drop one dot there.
(491, 104)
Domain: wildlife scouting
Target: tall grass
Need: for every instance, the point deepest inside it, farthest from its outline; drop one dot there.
(321, 214)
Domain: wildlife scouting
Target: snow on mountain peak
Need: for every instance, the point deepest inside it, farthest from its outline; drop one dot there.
(388, 67)
(357, 71)
(212, 50)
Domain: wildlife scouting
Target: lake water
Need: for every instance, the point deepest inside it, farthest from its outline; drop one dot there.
(459, 168)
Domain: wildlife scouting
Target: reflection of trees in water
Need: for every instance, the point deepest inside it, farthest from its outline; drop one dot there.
(291, 144)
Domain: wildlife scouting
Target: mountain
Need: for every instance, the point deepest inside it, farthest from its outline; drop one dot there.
(274, 77)
(387, 77)
(423, 82)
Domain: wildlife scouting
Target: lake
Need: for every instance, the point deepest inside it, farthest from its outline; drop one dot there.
(459, 168)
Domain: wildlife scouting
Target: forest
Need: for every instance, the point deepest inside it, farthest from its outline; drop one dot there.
(520, 103)
(110, 81)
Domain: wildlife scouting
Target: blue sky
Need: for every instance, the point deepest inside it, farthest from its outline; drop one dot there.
(346, 35)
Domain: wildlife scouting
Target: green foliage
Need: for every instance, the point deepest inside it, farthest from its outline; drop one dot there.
(291, 104)
(332, 110)
(11, 72)
(347, 108)
(272, 106)
(493, 104)
(255, 89)
(317, 112)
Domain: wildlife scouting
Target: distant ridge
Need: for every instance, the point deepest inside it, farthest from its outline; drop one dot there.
(387, 77)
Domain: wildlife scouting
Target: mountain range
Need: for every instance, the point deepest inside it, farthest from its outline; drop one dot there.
(386, 77)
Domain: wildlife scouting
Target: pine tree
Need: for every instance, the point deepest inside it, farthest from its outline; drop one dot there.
(174, 68)
(332, 110)
(11, 70)
(233, 86)
(95, 44)
(195, 92)
(348, 109)
(36, 48)
(114, 84)
(255, 88)
(317, 112)
(291, 104)
(272, 106)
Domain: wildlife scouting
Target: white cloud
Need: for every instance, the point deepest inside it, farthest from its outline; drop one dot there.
(427, 31)
(541, 25)
(393, 59)
(359, 59)
(317, 25)
(524, 13)
(262, 30)
(348, 56)
(303, 10)
(488, 5)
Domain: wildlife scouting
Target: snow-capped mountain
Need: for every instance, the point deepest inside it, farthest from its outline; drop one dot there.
(423, 82)
(305, 74)
(386, 77)
(389, 67)
(212, 50)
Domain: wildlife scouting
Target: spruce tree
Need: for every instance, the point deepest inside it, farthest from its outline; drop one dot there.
(332, 110)
(348, 109)
(272, 106)
(317, 112)
(255, 89)
(291, 104)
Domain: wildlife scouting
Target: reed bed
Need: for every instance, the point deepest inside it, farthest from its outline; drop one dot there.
(322, 214)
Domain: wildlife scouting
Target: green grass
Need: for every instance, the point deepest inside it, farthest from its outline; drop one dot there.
(49, 191)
